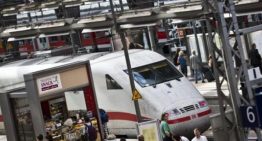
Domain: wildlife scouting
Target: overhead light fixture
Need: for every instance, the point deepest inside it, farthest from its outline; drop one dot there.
(127, 26)
(184, 9)
(49, 25)
(10, 39)
(246, 2)
(92, 20)
(10, 30)
(95, 30)
(135, 14)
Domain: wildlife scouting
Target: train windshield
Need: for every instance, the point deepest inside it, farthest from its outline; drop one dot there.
(152, 74)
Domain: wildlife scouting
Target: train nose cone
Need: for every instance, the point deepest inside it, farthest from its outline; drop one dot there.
(186, 115)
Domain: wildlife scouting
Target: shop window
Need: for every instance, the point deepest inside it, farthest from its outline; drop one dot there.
(111, 83)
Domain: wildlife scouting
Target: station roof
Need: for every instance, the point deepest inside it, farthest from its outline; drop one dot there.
(184, 11)
(12, 74)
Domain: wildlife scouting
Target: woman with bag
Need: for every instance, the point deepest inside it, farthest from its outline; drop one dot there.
(164, 128)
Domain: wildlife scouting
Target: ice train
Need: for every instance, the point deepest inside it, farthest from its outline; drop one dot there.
(162, 86)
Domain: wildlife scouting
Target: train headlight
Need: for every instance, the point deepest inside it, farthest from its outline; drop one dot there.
(202, 104)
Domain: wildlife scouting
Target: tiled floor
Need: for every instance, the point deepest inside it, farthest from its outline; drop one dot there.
(3, 138)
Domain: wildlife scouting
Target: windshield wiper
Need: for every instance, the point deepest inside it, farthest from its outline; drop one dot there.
(154, 85)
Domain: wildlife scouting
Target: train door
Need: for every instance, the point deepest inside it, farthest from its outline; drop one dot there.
(43, 43)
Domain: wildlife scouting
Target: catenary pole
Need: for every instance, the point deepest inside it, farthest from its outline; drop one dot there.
(123, 40)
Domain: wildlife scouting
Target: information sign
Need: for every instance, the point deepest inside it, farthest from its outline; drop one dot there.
(150, 130)
(249, 116)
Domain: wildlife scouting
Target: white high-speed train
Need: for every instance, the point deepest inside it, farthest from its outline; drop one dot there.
(163, 88)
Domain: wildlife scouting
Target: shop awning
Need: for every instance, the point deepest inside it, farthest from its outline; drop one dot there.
(95, 30)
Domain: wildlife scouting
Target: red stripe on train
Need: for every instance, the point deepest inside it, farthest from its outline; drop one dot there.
(204, 113)
(187, 118)
(1, 118)
(183, 119)
(123, 116)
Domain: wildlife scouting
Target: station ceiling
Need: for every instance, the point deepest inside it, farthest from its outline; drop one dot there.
(184, 11)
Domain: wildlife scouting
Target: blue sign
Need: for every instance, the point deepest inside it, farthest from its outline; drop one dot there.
(249, 116)
(258, 96)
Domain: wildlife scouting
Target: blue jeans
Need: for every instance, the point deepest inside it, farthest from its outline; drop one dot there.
(196, 72)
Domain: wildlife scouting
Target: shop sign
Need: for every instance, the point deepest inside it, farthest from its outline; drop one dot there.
(49, 83)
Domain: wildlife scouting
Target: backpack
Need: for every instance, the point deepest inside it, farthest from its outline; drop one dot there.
(103, 116)
(90, 132)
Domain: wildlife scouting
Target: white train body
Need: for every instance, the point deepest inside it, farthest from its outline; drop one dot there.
(173, 94)
(162, 86)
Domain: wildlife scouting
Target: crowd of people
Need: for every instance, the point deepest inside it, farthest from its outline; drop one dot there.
(198, 71)
(202, 72)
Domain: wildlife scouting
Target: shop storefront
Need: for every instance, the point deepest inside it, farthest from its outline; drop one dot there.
(54, 101)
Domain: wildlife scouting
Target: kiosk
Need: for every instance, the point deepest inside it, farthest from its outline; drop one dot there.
(47, 99)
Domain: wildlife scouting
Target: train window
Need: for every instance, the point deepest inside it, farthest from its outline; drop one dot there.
(86, 35)
(20, 43)
(152, 74)
(111, 83)
(53, 39)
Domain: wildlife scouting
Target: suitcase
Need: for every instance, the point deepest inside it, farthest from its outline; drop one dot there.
(209, 76)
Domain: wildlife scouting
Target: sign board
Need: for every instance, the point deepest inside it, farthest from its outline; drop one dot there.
(254, 73)
(258, 98)
(249, 116)
(136, 95)
(63, 80)
(150, 130)
(49, 83)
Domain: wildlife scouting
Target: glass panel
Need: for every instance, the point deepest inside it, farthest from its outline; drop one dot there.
(23, 119)
(155, 73)
(111, 83)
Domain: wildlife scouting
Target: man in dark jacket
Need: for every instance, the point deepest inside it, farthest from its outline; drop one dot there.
(255, 58)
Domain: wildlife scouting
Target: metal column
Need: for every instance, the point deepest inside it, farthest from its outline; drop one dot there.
(151, 38)
(123, 39)
(35, 106)
(9, 121)
(197, 42)
(214, 11)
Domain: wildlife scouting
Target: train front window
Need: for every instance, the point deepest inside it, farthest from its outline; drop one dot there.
(152, 74)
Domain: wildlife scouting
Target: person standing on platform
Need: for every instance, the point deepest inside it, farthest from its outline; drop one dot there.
(40, 137)
(195, 64)
(198, 136)
(104, 119)
(176, 63)
(182, 62)
(210, 63)
(164, 128)
(140, 138)
(255, 58)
